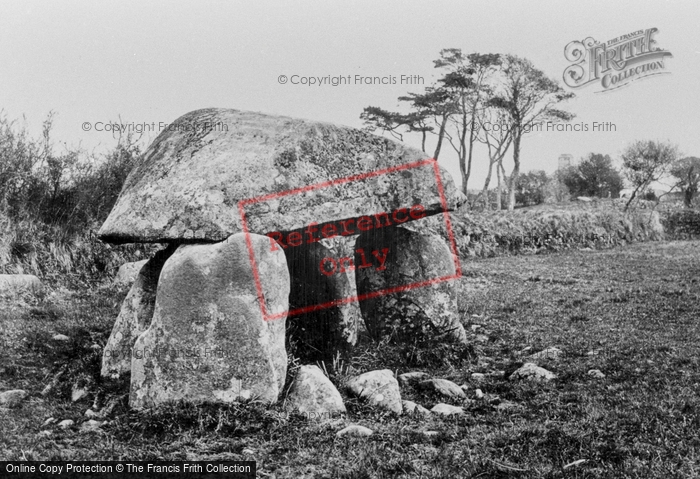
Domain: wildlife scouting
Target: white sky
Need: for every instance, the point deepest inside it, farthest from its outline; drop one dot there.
(154, 61)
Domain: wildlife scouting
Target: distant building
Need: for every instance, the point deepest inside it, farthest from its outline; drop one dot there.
(565, 161)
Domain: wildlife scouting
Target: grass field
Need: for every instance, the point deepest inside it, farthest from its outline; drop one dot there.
(633, 312)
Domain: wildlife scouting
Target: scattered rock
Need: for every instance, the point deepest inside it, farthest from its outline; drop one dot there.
(314, 395)
(552, 354)
(78, 393)
(128, 272)
(45, 433)
(409, 258)
(409, 407)
(478, 376)
(409, 379)
(16, 284)
(446, 409)
(481, 338)
(13, 398)
(208, 340)
(379, 388)
(66, 423)
(444, 387)
(596, 373)
(532, 372)
(60, 337)
(92, 414)
(49, 421)
(479, 394)
(355, 430)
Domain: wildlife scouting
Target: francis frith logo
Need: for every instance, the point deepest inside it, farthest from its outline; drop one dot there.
(615, 63)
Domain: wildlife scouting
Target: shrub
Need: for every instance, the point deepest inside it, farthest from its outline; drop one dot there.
(488, 234)
(683, 224)
(51, 206)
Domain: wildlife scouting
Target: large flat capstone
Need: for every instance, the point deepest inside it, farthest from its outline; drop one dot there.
(192, 178)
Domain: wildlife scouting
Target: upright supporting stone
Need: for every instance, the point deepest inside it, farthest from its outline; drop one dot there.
(134, 316)
(410, 258)
(208, 341)
(321, 332)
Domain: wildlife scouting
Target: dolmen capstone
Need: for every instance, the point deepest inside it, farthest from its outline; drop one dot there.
(274, 226)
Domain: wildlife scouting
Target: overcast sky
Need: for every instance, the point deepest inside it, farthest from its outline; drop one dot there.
(154, 61)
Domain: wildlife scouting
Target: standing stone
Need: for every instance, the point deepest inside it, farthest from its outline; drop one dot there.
(314, 395)
(208, 341)
(411, 258)
(134, 317)
(128, 272)
(322, 331)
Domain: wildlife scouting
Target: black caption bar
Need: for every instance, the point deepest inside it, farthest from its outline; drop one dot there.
(127, 469)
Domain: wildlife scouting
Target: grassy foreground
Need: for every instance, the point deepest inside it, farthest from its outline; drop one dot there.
(631, 312)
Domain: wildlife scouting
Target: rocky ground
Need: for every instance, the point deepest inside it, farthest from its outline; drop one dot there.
(583, 364)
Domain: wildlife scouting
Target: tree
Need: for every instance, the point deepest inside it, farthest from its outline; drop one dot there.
(529, 98)
(530, 188)
(466, 83)
(687, 172)
(646, 162)
(447, 109)
(497, 142)
(594, 176)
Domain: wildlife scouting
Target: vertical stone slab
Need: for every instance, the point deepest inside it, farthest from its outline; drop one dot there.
(208, 341)
(134, 316)
(410, 258)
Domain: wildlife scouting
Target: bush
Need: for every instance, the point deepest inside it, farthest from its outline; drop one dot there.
(488, 234)
(51, 206)
(683, 224)
(594, 176)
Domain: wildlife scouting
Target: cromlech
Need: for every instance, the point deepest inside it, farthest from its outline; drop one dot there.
(273, 227)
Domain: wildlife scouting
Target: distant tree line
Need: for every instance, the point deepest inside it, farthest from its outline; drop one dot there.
(643, 163)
